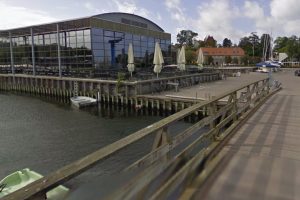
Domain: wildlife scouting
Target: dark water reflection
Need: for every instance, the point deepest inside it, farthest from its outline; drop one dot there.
(45, 135)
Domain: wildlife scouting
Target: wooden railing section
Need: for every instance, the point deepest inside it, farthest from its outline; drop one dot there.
(220, 116)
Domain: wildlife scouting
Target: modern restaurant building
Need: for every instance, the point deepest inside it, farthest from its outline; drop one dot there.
(95, 42)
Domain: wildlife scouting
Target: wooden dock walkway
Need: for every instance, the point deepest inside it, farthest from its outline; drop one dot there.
(262, 160)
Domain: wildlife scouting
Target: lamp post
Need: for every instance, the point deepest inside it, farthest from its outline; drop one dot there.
(253, 42)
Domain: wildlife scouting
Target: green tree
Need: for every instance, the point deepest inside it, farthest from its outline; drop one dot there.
(186, 37)
(245, 60)
(235, 60)
(280, 44)
(190, 56)
(293, 47)
(246, 45)
(210, 60)
(227, 42)
(228, 59)
(289, 45)
(210, 41)
(255, 42)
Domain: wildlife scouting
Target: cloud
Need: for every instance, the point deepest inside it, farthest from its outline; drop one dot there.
(175, 9)
(285, 10)
(158, 17)
(216, 19)
(130, 6)
(89, 6)
(14, 16)
(283, 19)
(253, 10)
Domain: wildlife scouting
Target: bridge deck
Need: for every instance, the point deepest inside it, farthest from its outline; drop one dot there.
(262, 160)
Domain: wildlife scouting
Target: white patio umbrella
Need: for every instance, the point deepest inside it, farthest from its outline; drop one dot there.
(181, 59)
(130, 61)
(200, 59)
(177, 57)
(158, 59)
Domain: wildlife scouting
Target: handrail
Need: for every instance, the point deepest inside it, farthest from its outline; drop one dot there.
(106, 81)
(62, 175)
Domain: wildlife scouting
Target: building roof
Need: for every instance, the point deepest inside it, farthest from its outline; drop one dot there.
(130, 19)
(118, 18)
(222, 51)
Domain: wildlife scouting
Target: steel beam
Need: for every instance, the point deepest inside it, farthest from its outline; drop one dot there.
(32, 52)
(58, 51)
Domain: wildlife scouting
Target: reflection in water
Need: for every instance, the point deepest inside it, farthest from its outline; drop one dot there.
(45, 134)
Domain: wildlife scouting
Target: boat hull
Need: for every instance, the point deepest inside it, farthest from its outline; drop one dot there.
(21, 178)
(82, 101)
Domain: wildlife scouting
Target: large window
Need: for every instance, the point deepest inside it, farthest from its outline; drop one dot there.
(4, 52)
(79, 48)
(111, 48)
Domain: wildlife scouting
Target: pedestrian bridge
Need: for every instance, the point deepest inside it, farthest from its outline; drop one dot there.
(245, 145)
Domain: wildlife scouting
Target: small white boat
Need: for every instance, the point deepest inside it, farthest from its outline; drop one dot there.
(22, 178)
(82, 101)
(263, 70)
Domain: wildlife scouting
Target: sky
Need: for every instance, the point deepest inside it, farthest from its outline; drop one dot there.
(231, 19)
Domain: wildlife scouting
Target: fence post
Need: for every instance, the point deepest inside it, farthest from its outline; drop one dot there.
(162, 137)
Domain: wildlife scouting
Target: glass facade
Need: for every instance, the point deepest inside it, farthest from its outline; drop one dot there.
(75, 50)
(80, 47)
(110, 48)
(4, 51)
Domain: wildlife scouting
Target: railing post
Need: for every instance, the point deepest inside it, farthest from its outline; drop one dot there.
(162, 137)
(235, 105)
(212, 110)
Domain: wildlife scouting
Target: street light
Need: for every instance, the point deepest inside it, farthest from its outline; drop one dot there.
(253, 41)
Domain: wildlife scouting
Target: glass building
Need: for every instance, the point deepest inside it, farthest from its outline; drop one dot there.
(97, 42)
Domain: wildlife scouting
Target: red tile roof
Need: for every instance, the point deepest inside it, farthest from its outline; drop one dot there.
(222, 51)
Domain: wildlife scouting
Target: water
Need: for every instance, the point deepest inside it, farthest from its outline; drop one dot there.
(44, 135)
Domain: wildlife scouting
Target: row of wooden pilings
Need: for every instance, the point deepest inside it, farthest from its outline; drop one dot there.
(125, 93)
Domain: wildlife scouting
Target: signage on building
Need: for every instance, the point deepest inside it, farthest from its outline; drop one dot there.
(134, 23)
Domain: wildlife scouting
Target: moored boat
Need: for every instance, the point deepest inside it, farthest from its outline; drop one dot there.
(21, 178)
(82, 101)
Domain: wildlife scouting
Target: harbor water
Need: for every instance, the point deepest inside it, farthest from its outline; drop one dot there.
(45, 135)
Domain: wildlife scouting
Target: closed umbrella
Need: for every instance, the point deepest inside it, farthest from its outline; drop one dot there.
(177, 58)
(200, 59)
(130, 64)
(181, 59)
(158, 59)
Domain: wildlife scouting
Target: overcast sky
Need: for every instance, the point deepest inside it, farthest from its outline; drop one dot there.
(219, 18)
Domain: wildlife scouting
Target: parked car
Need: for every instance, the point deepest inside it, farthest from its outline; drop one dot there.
(297, 72)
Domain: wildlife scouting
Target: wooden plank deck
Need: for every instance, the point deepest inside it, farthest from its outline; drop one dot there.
(262, 160)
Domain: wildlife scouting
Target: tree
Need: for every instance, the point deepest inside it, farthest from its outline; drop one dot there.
(235, 60)
(280, 44)
(228, 59)
(254, 40)
(210, 41)
(190, 56)
(265, 46)
(227, 42)
(246, 45)
(186, 37)
(293, 47)
(245, 60)
(210, 60)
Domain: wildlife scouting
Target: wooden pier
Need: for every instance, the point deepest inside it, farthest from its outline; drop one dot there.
(158, 175)
(106, 91)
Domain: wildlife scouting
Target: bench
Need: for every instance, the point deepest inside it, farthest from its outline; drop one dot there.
(174, 84)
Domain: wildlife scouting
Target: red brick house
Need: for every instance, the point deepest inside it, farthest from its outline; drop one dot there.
(219, 54)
